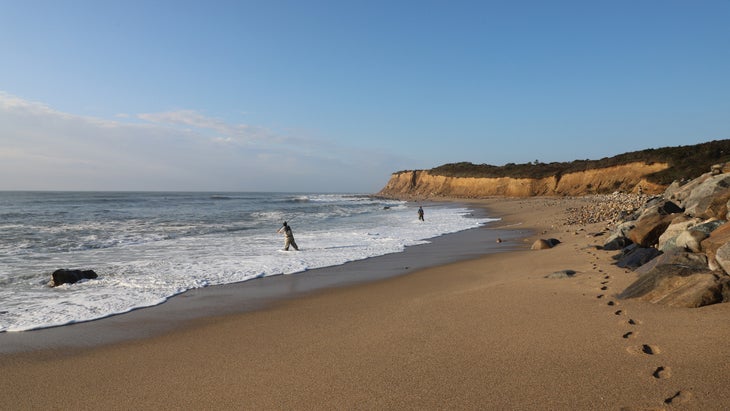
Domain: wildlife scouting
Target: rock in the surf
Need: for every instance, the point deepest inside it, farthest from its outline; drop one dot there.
(64, 276)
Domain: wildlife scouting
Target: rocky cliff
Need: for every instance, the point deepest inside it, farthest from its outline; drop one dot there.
(423, 184)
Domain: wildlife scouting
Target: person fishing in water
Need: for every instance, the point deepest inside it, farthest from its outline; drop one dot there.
(289, 237)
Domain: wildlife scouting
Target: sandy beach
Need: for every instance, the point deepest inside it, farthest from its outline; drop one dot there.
(488, 333)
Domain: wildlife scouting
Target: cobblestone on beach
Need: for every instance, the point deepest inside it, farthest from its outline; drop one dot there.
(608, 208)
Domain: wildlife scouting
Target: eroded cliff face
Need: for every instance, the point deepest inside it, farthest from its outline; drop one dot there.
(627, 178)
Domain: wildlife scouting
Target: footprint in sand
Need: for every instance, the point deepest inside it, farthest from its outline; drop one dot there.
(629, 334)
(604, 288)
(662, 373)
(644, 349)
(650, 349)
(681, 397)
(612, 303)
(604, 282)
(620, 312)
(600, 296)
(633, 322)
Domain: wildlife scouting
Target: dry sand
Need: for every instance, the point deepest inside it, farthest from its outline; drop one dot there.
(489, 333)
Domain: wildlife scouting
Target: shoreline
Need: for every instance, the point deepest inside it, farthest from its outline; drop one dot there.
(486, 333)
(261, 293)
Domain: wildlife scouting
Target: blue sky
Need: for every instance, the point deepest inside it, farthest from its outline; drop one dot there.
(336, 95)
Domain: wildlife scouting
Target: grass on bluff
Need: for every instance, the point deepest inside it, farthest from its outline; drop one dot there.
(685, 162)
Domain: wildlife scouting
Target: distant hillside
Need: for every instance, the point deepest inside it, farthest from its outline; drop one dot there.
(685, 162)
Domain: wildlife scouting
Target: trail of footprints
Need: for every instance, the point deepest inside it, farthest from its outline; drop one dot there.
(630, 332)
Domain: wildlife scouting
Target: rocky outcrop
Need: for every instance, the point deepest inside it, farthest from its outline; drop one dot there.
(679, 279)
(679, 244)
(64, 276)
(625, 178)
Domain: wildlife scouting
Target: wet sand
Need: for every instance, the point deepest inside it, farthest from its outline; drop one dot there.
(487, 333)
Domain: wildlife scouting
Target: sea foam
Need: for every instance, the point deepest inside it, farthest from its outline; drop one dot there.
(146, 249)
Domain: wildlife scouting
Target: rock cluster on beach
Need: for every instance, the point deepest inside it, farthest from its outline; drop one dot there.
(609, 208)
(678, 242)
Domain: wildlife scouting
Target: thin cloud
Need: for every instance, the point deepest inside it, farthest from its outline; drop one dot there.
(223, 131)
(46, 149)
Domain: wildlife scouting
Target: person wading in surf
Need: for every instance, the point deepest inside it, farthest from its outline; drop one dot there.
(286, 230)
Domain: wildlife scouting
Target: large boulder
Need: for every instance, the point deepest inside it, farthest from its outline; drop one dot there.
(633, 257)
(619, 238)
(722, 257)
(678, 225)
(64, 276)
(657, 215)
(690, 240)
(696, 261)
(709, 226)
(710, 198)
(649, 228)
(680, 286)
(678, 191)
(719, 168)
(717, 239)
(687, 233)
(661, 206)
(616, 243)
(625, 227)
(718, 206)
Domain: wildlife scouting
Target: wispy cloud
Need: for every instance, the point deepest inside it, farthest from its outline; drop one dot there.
(43, 148)
(195, 121)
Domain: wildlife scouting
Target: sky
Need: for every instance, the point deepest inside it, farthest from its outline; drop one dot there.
(334, 96)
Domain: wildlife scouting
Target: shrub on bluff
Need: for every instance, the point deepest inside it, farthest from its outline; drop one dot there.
(679, 244)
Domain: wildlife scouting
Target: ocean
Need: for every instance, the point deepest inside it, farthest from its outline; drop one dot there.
(147, 247)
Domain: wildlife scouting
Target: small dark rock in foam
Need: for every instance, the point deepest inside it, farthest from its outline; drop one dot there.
(64, 276)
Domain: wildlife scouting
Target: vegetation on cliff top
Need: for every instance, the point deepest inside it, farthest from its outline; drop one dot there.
(685, 162)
